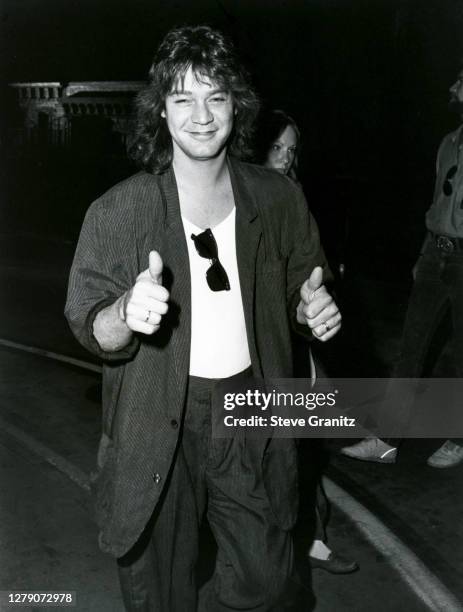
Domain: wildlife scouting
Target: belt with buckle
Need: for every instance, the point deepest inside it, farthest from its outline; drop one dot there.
(448, 244)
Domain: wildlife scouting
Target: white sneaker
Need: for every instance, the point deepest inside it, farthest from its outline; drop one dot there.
(448, 455)
(371, 449)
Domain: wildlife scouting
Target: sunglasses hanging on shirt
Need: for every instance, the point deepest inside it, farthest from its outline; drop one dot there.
(206, 246)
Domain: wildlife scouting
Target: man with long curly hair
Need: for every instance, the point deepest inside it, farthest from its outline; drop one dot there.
(187, 273)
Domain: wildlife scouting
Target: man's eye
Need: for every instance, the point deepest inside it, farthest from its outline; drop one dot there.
(275, 147)
(218, 99)
(181, 101)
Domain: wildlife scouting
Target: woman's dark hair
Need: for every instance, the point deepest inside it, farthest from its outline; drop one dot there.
(272, 124)
(209, 54)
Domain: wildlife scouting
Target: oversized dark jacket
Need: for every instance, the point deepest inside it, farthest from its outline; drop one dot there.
(144, 384)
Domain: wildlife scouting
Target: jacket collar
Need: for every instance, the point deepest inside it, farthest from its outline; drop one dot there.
(244, 198)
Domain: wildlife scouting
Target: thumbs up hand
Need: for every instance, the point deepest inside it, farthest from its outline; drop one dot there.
(143, 306)
(317, 309)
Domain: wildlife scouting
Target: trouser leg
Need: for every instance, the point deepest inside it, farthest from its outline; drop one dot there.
(428, 303)
(255, 556)
(453, 278)
(320, 515)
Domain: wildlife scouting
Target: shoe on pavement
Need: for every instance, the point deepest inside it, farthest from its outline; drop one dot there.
(448, 455)
(371, 449)
(335, 564)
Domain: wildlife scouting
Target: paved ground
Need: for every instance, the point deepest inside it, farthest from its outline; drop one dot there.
(420, 504)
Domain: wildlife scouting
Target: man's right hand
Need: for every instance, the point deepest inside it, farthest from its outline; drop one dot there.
(143, 306)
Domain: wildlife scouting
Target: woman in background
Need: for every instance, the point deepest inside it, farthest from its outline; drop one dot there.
(277, 144)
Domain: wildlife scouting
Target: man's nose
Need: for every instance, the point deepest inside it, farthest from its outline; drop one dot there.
(201, 114)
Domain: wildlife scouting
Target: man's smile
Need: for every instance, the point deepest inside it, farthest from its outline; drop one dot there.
(202, 135)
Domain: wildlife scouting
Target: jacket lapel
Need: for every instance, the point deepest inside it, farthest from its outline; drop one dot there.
(178, 278)
(248, 235)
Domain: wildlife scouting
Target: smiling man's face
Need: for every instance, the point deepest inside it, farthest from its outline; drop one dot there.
(199, 116)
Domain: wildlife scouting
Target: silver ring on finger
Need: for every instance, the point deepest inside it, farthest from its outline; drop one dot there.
(327, 327)
(148, 316)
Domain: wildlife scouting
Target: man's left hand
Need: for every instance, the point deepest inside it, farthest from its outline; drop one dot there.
(317, 309)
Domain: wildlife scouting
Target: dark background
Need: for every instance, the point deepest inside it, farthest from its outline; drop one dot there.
(366, 80)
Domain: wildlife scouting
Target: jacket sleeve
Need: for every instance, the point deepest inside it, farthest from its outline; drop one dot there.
(305, 253)
(101, 272)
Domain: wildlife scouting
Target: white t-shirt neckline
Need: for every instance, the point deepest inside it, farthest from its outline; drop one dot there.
(219, 346)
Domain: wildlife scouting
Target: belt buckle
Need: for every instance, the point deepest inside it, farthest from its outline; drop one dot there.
(445, 244)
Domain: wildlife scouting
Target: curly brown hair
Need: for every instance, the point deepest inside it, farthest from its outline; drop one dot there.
(209, 54)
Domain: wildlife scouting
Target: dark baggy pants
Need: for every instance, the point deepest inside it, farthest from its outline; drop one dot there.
(222, 477)
(437, 292)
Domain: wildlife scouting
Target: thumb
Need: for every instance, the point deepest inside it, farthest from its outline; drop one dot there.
(155, 267)
(315, 280)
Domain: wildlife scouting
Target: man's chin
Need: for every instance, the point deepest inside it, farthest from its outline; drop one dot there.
(209, 153)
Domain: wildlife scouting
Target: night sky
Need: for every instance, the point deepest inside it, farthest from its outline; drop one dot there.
(367, 80)
(281, 39)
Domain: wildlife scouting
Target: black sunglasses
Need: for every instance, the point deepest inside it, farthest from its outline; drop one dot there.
(206, 246)
(447, 187)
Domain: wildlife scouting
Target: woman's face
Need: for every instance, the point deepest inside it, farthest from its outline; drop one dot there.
(283, 151)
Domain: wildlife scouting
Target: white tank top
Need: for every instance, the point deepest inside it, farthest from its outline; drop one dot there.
(219, 345)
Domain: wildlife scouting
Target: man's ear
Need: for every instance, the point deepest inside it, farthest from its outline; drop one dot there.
(163, 114)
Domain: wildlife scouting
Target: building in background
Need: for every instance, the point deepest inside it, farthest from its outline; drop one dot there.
(53, 112)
